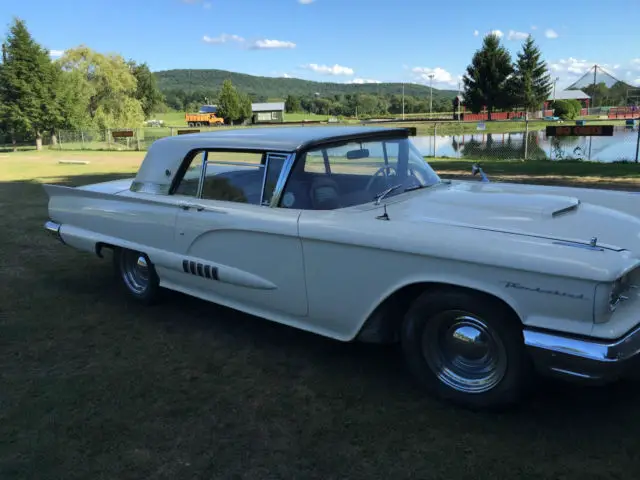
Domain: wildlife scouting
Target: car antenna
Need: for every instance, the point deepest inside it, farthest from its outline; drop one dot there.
(385, 215)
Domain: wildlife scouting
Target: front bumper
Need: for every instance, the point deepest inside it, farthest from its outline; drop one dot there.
(53, 229)
(586, 360)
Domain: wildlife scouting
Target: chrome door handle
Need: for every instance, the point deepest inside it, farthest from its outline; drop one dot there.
(187, 206)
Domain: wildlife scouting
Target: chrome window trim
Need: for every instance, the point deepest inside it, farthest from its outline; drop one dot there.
(282, 180)
(267, 157)
(203, 174)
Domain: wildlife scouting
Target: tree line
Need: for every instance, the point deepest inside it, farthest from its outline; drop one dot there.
(82, 89)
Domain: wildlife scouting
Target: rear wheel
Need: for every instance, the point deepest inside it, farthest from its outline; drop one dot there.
(466, 348)
(137, 275)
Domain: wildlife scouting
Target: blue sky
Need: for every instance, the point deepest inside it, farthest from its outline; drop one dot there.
(339, 40)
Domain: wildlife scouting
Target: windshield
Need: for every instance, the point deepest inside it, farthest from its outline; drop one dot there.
(356, 173)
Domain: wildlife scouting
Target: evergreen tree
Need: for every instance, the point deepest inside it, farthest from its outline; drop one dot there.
(531, 83)
(486, 79)
(27, 85)
(229, 106)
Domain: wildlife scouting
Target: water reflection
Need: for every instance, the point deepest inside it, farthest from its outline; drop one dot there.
(621, 146)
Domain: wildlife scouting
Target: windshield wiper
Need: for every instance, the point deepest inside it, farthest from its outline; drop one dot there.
(378, 198)
(415, 187)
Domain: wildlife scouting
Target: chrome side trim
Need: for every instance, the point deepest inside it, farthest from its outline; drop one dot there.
(282, 180)
(583, 358)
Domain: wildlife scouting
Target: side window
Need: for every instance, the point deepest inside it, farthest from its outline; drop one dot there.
(234, 177)
(191, 179)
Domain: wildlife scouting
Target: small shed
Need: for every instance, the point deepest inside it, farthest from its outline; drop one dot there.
(272, 112)
(579, 95)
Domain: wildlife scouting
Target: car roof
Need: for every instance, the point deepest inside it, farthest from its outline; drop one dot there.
(278, 138)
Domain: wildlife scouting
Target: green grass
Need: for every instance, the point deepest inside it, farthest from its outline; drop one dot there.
(95, 386)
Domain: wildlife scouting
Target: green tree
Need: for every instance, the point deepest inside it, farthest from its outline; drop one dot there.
(292, 104)
(531, 83)
(108, 87)
(147, 91)
(27, 85)
(229, 103)
(485, 81)
(246, 109)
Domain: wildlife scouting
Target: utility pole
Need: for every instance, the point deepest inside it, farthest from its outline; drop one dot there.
(431, 75)
(403, 100)
(554, 88)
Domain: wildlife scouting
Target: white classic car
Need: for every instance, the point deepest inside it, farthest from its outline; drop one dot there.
(347, 232)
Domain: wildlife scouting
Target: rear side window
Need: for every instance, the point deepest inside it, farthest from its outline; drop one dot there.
(241, 177)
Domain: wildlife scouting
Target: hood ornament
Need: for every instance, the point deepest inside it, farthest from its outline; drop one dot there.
(475, 169)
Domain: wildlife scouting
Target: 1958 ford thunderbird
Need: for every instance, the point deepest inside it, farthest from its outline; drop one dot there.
(347, 232)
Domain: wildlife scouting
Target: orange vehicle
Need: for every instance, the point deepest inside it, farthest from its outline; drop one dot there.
(203, 119)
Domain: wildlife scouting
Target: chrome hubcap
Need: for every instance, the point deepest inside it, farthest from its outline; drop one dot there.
(464, 352)
(135, 271)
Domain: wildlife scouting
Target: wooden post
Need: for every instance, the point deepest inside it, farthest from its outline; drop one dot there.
(138, 139)
(82, 138)
(108, 133)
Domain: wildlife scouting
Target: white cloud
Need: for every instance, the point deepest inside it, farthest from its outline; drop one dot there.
(571, 65)
(476, 33)
(305, 2)
(266, 44)
(497, 33)
(224, 38)
(533, 27)
(286, 75)
(327, 70)
(56, 53)
(361, 81)
(440, 75)
(635, 63)
(637, 81)
(513, 35)
(550, 33)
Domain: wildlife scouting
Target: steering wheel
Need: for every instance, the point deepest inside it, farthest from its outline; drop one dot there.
(380, 170)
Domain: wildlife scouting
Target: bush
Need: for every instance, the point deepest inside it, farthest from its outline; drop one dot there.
(566, 109)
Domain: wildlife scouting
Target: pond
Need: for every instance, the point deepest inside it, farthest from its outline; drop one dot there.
(620, 147)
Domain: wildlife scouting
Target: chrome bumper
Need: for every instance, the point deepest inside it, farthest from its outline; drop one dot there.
(591, 361)
(54, 229)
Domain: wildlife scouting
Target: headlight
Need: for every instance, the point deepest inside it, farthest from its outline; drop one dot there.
(618, 290)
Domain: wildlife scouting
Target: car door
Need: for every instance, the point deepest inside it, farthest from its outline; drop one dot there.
(236, 248)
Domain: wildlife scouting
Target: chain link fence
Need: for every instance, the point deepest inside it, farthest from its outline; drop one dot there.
(504, 140)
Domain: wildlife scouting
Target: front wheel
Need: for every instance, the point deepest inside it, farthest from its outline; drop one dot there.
(137, 275)
(466, 348)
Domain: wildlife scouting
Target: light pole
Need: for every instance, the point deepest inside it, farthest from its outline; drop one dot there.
(431, 75)
(554, 88)
(403, 100)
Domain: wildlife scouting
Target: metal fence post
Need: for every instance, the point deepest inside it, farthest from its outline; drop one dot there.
(82, 138)
(638, 144)
(435, 131)
(526, 135)
(137, 139)
(108, 134)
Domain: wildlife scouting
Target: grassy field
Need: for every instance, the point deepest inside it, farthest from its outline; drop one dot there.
(94, 386)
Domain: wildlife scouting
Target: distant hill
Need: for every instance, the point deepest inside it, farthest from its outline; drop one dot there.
(279, 88)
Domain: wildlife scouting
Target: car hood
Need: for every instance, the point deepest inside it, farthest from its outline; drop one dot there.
(523, 211)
